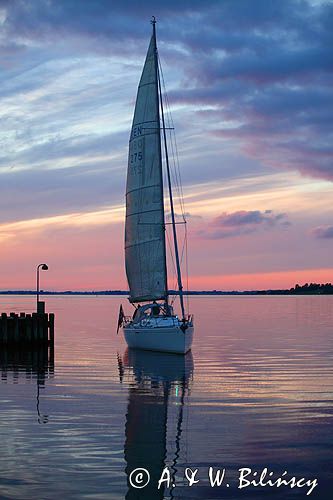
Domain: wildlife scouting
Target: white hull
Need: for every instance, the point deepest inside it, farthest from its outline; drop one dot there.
(159, 338)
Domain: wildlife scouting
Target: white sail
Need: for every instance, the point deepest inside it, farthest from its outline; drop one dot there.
(144, 229)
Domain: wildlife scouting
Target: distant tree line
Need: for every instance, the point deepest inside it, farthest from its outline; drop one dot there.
(312, 288)
(307, 289)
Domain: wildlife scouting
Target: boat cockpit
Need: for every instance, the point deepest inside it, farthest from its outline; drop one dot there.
(153, 310)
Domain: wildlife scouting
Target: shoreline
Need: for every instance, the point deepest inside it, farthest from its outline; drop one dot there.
(171, 292)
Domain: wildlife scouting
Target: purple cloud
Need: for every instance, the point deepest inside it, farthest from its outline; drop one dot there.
(324, 232)
(269, 90)
(241, 222)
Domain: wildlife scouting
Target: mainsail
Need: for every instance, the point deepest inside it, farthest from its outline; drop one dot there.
(144, 230)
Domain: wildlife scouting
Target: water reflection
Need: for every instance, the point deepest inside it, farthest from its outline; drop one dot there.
(28, 365)
(158, 386)
(261, 397)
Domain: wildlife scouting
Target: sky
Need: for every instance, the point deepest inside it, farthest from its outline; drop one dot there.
(250, 89)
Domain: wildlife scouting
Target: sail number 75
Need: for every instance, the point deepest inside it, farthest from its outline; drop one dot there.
(136, 157)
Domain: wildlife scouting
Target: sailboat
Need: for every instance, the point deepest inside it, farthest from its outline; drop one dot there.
(154, 325)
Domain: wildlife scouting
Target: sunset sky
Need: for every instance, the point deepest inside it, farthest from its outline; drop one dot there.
(250, 85)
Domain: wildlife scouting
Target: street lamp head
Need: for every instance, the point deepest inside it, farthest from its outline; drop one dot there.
(44, 267)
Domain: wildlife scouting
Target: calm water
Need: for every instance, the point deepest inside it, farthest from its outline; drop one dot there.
(255, 392)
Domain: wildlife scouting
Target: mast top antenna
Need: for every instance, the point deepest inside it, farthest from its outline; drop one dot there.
(153, 20)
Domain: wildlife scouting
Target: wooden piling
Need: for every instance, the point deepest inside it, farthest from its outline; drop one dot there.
(1, 332)
(28, 328)
(21, 329)
(16, 329)
(4, 324)
(40, 327)
(45, 328)
(51, 327)
(35, 328)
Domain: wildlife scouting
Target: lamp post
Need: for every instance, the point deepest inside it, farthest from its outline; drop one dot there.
(44, 268)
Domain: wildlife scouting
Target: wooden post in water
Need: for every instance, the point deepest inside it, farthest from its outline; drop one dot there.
(45, 328)
(16, 329)
(21, 329)
(51, 327)
(4, 323)
(34, 327)
(11, 330)
(40, 328)
(28, 327)
(1, 330)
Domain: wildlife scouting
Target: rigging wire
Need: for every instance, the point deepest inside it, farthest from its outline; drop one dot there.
(176, 176)
(173, 143)
(173, 265)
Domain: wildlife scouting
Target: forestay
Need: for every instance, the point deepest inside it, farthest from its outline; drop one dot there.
(144, 229)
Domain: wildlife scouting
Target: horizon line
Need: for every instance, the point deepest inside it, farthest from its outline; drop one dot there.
(305, 287)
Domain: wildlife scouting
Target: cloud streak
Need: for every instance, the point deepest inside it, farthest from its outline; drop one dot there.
(241, 223)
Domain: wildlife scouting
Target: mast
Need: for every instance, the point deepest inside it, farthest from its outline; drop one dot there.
(179, 276)
(153, 22)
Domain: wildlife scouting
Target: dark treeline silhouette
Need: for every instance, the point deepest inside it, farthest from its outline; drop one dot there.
(312, 288)
(307, 289)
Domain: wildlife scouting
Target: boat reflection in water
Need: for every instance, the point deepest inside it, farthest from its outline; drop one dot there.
(158, 386)
(28, 365)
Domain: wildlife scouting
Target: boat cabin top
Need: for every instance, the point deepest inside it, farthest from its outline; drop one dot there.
(153, 310)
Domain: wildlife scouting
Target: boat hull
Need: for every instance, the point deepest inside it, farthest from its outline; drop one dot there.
(163, 339)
